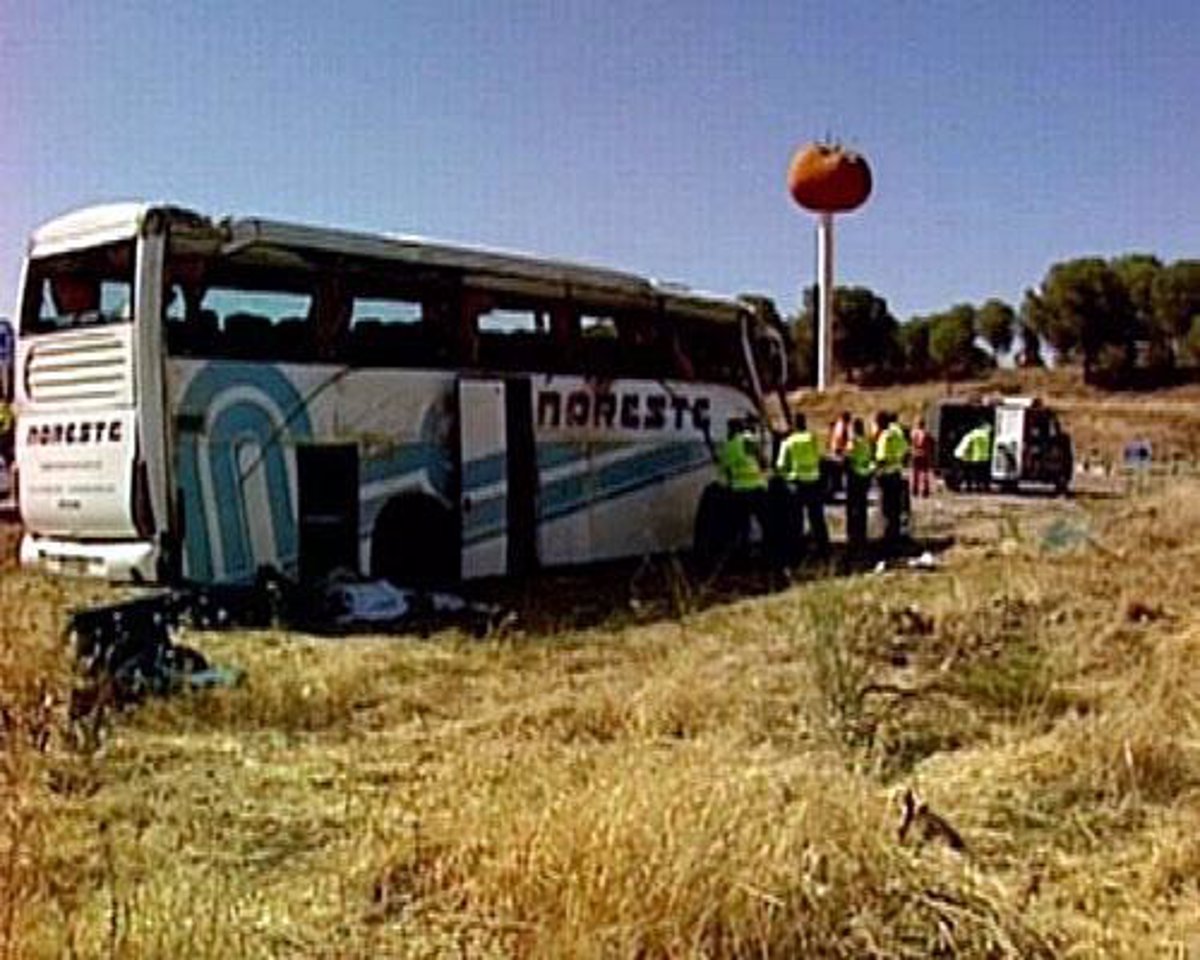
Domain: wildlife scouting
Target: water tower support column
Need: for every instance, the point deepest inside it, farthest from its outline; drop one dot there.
(824, 301)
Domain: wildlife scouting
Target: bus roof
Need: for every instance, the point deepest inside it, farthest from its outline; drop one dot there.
(108, 223)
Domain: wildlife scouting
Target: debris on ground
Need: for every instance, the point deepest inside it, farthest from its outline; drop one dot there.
(1065, 533)
(128, 646)
(912, 621)
(925, 561)
(1142, 611)
(348, 603)
(925, 825)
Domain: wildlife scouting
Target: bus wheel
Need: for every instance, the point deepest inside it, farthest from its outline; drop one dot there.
(713, 531)
(415, 543)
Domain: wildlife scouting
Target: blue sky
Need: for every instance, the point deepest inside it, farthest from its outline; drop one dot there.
(653, 137)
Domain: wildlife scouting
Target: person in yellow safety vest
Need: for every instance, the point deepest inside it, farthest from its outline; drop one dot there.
(890, 450)
(859, 467)
(742, 474)
(738, 459)
(798, 465)
(974, 454)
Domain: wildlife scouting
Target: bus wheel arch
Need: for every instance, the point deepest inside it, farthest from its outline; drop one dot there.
(415, 541)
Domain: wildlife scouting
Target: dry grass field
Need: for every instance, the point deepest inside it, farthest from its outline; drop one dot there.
(641, 765)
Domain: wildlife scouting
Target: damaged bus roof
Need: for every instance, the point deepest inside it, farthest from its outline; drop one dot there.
(480, 266)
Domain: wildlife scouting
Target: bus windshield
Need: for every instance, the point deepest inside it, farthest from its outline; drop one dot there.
(83, 289)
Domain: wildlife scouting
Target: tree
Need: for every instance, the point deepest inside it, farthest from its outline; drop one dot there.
(996, 322)
(1061, 334)
(1175, 295)
(913, 340)
(802, 364)
(1085, 306)
(952, 350)
(864, 331)
(1191, 343)
(1137, 272)
(1030, 353)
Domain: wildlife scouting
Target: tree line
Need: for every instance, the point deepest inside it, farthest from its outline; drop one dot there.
(1129, 321)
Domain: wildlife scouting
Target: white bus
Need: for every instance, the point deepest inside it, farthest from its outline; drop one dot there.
(199, 400)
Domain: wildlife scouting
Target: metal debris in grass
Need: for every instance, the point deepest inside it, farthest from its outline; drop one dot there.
(1065, 533)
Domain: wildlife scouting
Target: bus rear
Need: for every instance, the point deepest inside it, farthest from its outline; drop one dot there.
(82, 480)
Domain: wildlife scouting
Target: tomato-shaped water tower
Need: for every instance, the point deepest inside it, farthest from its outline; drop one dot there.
(826, 179)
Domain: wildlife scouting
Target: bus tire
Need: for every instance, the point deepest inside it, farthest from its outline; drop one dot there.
(415, 542)
(713, 528)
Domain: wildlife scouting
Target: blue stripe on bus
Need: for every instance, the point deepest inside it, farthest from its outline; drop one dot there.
(248, 419)
(484, 472)
(568, 495)
(397, 461)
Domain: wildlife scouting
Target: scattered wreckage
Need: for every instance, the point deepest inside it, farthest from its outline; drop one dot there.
(127, 649)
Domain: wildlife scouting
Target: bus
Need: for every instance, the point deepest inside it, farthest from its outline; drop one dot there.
(201, 400)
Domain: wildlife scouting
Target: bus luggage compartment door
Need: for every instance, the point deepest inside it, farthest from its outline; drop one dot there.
(328, 480)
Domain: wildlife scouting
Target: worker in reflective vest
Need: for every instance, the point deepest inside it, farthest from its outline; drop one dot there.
(743, 475)
(798, 465)
(974, 454)
(890, 450)
(859, 467)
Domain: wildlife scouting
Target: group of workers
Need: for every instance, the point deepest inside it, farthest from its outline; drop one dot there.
(792, 497)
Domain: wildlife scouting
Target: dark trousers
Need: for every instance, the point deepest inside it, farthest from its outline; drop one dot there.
(856, 508)
(982, 471)
(891, 495)
(804, 501)
(745, 504)
(812, 501)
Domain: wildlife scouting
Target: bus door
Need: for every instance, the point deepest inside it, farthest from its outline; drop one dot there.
(497, 499)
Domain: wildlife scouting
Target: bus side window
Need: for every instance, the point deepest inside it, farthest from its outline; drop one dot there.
(389, 332)
(514, 338)
(599, 346)
(266, 325)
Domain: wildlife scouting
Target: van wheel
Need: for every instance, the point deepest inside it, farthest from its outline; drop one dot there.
(415, 543)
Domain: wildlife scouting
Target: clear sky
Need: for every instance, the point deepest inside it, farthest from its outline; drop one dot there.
(648, 136)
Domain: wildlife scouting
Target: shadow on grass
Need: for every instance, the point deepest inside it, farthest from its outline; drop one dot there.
(668, 587)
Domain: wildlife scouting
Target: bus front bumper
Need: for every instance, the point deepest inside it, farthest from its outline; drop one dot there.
(129, 560)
